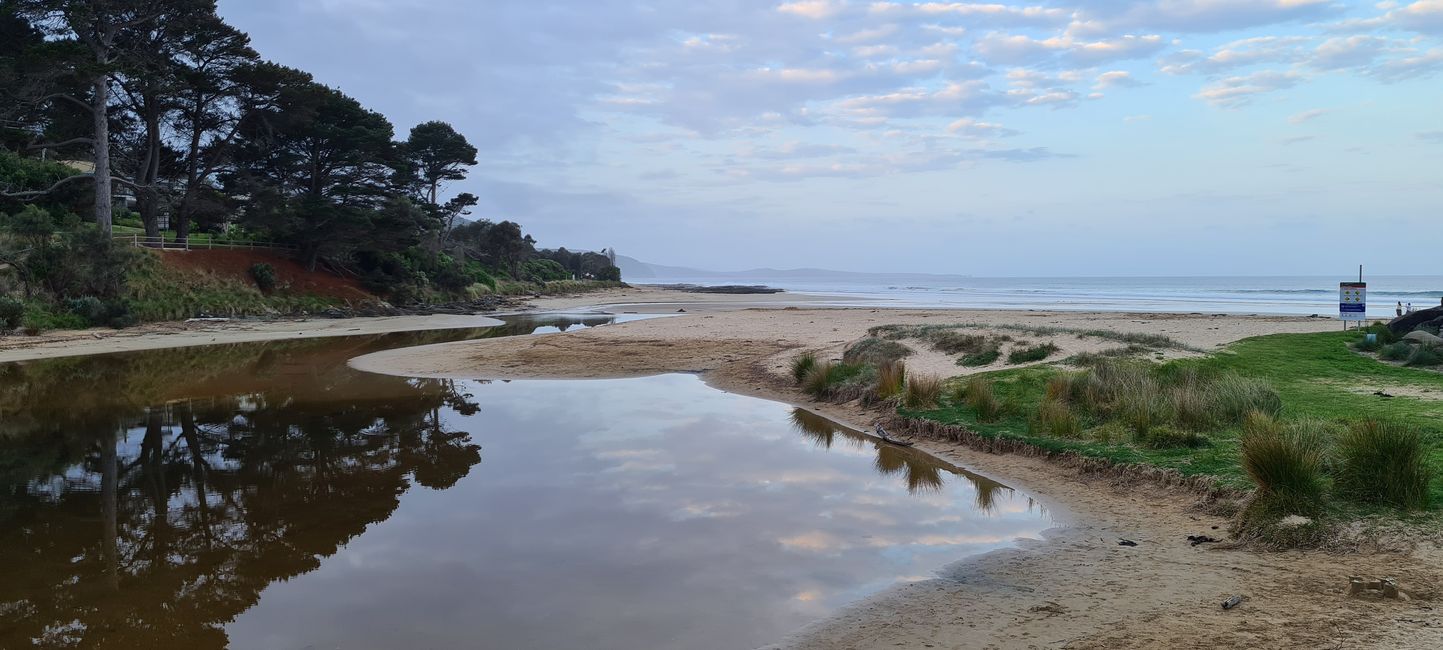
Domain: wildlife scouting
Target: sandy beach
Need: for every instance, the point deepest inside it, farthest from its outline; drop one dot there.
(1076, 588)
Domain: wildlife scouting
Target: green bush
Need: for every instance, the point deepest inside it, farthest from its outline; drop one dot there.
(543, 270)
(1425, 356)
(265, 276)
(1031, 353)
(1397, 351)
(1381, 332)
(40, 318)
(89, 308)
(11, 311)
(954, 342)
(1384, 462)
(802, 365)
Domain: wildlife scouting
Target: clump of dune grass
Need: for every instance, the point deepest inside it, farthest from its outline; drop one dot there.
(1233, 397)
(1396, 351)
(1424, 356)
(1286, 463)
(803, 364)
(1384, 462)
(1141, 396)
(1031, 353)
(1054, 417)
(875, 351)
(979, 396)
(922, 391)
(891, 379)
(984, 357)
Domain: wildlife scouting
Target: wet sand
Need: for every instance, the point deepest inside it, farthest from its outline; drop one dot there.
(1077, 588)
(156, 336)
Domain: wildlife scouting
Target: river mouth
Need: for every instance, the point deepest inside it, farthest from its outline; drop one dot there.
(267, 495)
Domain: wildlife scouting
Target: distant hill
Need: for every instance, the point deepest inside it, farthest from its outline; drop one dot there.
(633, 269)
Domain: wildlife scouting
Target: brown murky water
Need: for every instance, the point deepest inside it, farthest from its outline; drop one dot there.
(268, 496)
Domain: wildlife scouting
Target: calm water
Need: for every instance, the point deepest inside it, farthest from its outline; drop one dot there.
(1297, 295)
(267, 496)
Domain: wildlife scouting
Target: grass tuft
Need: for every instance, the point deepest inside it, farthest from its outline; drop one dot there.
(922, 391)
(1396, 351)
(1384, 462)
(978, 394)
(875, 351)
(891, 379)
(1055, 418)
(1285, 462)
(1425, 356)
(803, 364)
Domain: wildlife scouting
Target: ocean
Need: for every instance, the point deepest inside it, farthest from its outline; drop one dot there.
(1290, 295)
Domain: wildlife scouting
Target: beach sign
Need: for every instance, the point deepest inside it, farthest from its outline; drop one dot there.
(1353, 301)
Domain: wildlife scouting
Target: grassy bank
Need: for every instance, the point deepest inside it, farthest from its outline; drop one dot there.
(1311, 395)
(554, 287)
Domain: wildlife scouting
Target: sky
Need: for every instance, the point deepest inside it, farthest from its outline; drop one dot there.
(1067, 138)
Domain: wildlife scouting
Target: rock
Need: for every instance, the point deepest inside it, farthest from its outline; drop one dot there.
(1409, 322)
(1419, 336)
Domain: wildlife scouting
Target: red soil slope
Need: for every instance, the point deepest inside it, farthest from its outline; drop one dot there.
(290, 274)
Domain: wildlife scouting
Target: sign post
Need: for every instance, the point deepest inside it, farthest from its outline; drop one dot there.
(1353, 301)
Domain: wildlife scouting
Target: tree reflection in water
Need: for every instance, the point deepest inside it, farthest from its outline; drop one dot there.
(147, 499)
(922, 472)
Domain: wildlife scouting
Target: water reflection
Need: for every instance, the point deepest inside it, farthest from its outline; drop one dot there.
(266, 496)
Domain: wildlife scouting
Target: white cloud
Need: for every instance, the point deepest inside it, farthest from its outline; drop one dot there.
(1115, 79)
(1307, 116)
(975, 128)
(814, 9)
(1233, 92)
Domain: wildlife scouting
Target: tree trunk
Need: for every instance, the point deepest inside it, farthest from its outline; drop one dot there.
(150, 174)
(100, 105)
(109, 515)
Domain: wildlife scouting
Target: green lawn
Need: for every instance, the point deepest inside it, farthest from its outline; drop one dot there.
(1312, 373)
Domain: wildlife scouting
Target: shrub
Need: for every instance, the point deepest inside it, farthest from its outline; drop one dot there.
(1384, 462)
(265, 276)
(1055, 418)
(985, 357)
(1383, 334)
(1286, 464)
(11, 311)
(89, 308)
(922, 391)
(1397, 351)
(1031, 353)
(1060, 387)
(1424, 356)
(891, 379)
(802, 365)
(979, 395)
(875, 351)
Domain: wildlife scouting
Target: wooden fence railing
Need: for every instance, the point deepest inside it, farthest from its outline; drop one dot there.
(200, 243)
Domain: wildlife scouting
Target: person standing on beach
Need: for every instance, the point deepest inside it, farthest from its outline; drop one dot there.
(1408, 309)
(1400, 307)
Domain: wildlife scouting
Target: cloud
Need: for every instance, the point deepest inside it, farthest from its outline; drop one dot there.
(974, 128)
(1116, 79)
(1306, 116)
(1022, 49)
(1197, 16)
(814, 9)
(1233, 92)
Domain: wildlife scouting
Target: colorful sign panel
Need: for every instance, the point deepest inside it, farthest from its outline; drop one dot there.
(1353, 301)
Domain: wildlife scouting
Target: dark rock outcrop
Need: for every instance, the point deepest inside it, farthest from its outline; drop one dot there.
(1409, 322)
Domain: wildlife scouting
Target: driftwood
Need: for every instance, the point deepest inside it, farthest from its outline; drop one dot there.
(882, 433)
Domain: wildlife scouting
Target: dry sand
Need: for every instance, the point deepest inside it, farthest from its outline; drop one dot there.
(1074, 589)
